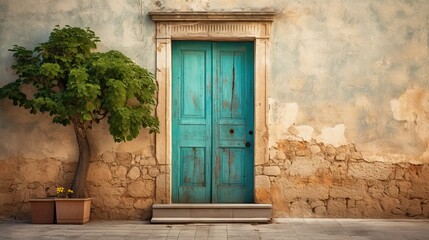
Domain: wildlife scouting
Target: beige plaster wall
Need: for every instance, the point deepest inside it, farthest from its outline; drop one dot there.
(342, 72)
(353, 72)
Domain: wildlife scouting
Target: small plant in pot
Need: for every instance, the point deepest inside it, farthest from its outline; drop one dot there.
(66, 79)
(71, 210)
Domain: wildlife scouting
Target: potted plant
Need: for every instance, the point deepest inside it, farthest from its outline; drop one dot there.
(79, 87)
(71, 210)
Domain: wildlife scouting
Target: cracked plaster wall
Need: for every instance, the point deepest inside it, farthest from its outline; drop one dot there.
(342, 72)
(353, 72)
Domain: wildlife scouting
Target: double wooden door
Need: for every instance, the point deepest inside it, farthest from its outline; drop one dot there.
(212, 122)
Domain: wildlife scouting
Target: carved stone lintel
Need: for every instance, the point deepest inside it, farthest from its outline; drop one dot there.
(213, 25)
(213, 30)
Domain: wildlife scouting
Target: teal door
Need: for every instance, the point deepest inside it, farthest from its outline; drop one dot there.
(212, 122)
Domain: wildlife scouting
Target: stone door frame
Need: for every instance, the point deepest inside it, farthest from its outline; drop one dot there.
(212, 26)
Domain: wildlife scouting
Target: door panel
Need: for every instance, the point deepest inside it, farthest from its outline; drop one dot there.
(191, 123)
(212, 122)
(193, 87)
(230, 83)
(193, 185)
(232, 122)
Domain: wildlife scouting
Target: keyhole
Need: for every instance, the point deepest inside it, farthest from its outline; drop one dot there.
(250, 132)
(231, 131)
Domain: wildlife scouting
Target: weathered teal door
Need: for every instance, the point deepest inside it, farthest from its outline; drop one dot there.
(212, 122)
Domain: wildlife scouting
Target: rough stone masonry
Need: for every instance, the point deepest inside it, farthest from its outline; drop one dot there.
(309, 179)
(301, 179)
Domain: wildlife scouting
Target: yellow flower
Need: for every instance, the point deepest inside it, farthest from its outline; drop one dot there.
(61, 192)
(60, 189)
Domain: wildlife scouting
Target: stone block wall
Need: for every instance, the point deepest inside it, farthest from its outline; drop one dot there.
(24, 178)
(301, 179)
(309, 179)
(122, 184)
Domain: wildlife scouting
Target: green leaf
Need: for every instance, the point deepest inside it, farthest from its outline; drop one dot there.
(87, 117)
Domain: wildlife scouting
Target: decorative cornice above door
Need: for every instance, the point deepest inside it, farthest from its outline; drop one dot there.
(236, 16)
(180, 25)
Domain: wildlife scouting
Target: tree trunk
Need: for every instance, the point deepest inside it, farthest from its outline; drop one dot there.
(79, 179)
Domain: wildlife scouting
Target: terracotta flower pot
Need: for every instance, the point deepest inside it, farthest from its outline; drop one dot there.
(72, 210)
(42, 210)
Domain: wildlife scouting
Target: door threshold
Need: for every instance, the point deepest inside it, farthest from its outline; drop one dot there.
(211, 213)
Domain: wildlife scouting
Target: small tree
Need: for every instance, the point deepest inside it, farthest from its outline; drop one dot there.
(80, 87)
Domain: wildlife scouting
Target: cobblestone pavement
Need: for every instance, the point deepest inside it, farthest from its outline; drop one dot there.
(285, 228)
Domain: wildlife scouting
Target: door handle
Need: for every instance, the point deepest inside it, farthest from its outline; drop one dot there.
(247, 144)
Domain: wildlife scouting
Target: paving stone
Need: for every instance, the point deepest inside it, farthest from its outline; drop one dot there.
(293, 229)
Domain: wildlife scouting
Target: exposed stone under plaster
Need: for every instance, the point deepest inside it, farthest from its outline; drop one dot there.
(121, 184)
(301, 179)
(309, 179)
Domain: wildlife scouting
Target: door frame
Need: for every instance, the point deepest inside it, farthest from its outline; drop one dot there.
(210, 26)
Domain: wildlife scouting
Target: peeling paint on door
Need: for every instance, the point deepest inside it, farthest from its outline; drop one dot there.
(223, 172)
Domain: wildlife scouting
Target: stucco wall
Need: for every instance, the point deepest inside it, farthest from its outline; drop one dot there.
(342, 72)
(353, 72)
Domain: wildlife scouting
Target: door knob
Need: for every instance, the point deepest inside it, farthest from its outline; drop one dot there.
(247, 144)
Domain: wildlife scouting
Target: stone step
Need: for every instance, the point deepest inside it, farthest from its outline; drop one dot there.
(211, 213)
